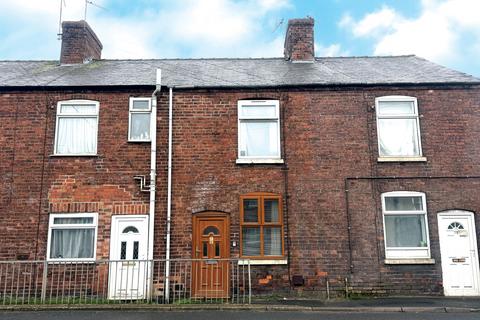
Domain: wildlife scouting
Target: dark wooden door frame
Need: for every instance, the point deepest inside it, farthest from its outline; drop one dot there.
(224, 254)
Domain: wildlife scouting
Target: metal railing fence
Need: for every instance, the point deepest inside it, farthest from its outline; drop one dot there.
(125, 281)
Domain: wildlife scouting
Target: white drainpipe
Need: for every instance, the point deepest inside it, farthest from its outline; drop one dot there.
(153, 164)
(169, 195)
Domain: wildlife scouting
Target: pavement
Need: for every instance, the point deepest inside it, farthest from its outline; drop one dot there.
(370, 305)
(384, 304)
(222, 315)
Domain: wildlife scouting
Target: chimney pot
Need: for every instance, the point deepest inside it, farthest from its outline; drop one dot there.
(79, 43)
(299, 40)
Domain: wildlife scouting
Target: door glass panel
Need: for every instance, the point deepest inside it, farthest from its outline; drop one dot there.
(205, 250)
(123, 250)
(130, 229)
(217, 249)
(210, 229)
(455, 226)
(250, 210)
(135, 250)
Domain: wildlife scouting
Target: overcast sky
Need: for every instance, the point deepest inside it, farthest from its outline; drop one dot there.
(443, 31)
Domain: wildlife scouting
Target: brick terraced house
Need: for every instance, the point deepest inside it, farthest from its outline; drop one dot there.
(362, 173)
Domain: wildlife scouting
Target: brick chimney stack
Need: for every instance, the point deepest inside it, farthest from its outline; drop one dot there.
(299, 40)
(79, 43)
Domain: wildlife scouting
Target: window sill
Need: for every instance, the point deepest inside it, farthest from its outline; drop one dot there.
(410, 261)
(259, 161)
(402, 159)
(69, 261)
(72, 155)
(139, 141)
(254, 262)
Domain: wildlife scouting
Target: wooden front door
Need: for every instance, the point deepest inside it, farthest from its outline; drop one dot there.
(211, 246)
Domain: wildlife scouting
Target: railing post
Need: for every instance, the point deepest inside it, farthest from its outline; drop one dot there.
(44, 282)
(249, 284)
(167, 281)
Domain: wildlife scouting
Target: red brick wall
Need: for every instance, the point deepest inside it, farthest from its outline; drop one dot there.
(35, 183)
(327, 135)
(299, 40)
(79, 43)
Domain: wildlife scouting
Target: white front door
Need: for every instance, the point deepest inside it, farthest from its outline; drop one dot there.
(128, 253)
(458, 247)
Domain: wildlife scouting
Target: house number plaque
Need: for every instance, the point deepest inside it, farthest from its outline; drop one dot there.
(457, 260)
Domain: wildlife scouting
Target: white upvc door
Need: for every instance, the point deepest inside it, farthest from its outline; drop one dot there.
(458, 246)
(128, 251)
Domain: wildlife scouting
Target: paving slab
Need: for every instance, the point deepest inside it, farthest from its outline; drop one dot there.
(386, 305)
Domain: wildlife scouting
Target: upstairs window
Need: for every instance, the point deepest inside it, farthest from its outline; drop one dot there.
(77, 127)
(261, 226)
(258, 129)
(139, 119)
(72, 236)
(405, 225)
(398, 127)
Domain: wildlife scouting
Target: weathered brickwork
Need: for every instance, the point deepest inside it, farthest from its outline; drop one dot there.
(327, 136)
(299, 40)
(79, 43)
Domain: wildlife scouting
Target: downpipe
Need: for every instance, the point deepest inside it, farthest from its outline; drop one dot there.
(169, 195)
(153, 172)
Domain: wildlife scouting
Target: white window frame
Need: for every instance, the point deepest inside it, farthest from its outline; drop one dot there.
(70, 115)
(259, 159)
(132, 111)
(52, 226)
(406, 252)
(414, 116)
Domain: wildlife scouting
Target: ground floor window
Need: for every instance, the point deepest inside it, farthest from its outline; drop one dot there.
(72, 236)
(261, 226)
(405, 225)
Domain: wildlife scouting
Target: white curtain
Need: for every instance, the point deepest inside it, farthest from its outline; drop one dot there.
(259, 111)
(251, 241)
(250, 210)
(72, 243)
(77, 136)
(140, 126)
(259, 138)
(398, 137)
(403, 203)
(75, 220)
(271, 210)
(396, 107)
(272, 241)
(405, 230)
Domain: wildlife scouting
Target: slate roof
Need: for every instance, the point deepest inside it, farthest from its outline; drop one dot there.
(268, 72)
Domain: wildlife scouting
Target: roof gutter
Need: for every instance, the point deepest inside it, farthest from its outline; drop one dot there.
(430, 85)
